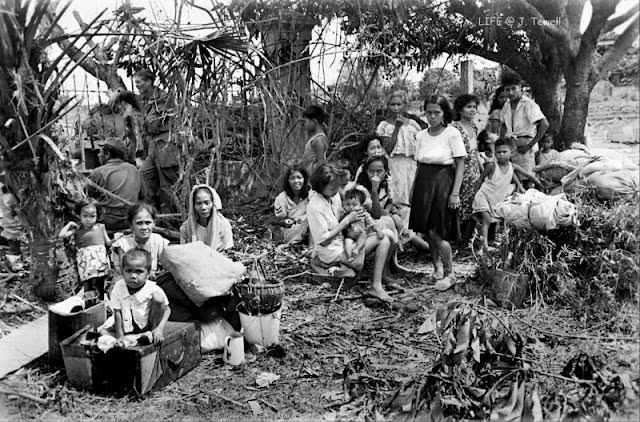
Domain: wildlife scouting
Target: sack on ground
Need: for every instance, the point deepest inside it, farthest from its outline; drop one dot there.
(614, 185)
(534, 209)
(200, 271)
(553, 212)
(213, 334)
(515, 209)
(608, 161)
(566, 161)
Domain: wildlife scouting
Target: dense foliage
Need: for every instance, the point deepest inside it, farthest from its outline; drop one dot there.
(594, 267)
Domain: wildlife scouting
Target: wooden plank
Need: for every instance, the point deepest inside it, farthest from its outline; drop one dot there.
(23, 346)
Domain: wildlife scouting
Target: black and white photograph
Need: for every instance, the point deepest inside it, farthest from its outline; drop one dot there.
(320, 210)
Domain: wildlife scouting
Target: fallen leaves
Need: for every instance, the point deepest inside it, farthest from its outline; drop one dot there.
(266, 378)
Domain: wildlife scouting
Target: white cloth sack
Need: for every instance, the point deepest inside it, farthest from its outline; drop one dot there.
(515, 209)
(565, 162)
(213, 334)
(201, 272)
(553, 212)
(614, 185)
(534, 209)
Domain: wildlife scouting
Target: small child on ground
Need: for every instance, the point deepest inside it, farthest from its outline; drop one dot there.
(92, 242)
(358, 230)
(138, 304)
(546, 152)
(494, 186)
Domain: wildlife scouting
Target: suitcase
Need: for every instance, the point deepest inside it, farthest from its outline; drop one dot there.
(138, 369)
(62, 326)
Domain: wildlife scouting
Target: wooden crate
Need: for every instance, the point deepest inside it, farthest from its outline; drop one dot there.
(137, 369)
(63, 326)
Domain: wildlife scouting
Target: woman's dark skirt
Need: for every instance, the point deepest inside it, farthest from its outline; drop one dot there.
(430, 202)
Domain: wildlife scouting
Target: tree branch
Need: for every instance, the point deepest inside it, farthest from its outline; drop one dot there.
(467, 9)
(574, 14)
(615, 52)
(602, 9)
(528, 10)
(514, 61)
(613, 23)
(94, 68)
(574, 11)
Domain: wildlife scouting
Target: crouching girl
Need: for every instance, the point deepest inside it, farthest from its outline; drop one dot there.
(291, 204)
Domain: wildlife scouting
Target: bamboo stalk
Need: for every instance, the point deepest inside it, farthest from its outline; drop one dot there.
(23, 395)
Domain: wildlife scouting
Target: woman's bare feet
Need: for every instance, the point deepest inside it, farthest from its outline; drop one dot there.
(446, 283)
(387, 278)
(394, 286)
(438, 271)
(379, 294)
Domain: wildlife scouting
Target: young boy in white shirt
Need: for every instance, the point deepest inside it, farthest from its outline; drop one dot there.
(138, 304)
(523, 121)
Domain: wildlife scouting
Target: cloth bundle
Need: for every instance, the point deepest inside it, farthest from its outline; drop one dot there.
(536, 210)
(611, 174)
(213, 334)
(566, 162)
(201, 272)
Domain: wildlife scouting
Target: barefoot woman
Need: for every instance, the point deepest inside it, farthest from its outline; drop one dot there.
(440, 153)
(326, 224)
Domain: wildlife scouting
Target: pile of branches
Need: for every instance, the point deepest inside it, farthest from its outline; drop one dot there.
(593, 267)
(482, 373)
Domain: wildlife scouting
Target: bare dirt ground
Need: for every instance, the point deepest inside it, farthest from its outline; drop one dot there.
(322, 339)
(329, 333)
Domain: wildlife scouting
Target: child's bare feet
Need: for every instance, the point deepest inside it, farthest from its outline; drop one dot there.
(358, 261)
(379, 294)
(446, 283)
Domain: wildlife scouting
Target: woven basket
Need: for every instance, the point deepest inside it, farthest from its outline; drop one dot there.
(255, 296)
(259, 299)
(555, 173)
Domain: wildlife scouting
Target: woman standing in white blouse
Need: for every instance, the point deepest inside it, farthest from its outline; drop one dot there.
(440, 154)
(398, 135)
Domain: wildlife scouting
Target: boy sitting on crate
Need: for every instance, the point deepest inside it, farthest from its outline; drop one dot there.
(138, 305)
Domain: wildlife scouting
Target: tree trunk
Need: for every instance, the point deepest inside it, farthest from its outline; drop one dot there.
(37, 211)
(286, 45)
(44, 272)
(546, 92)
(576, 109)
